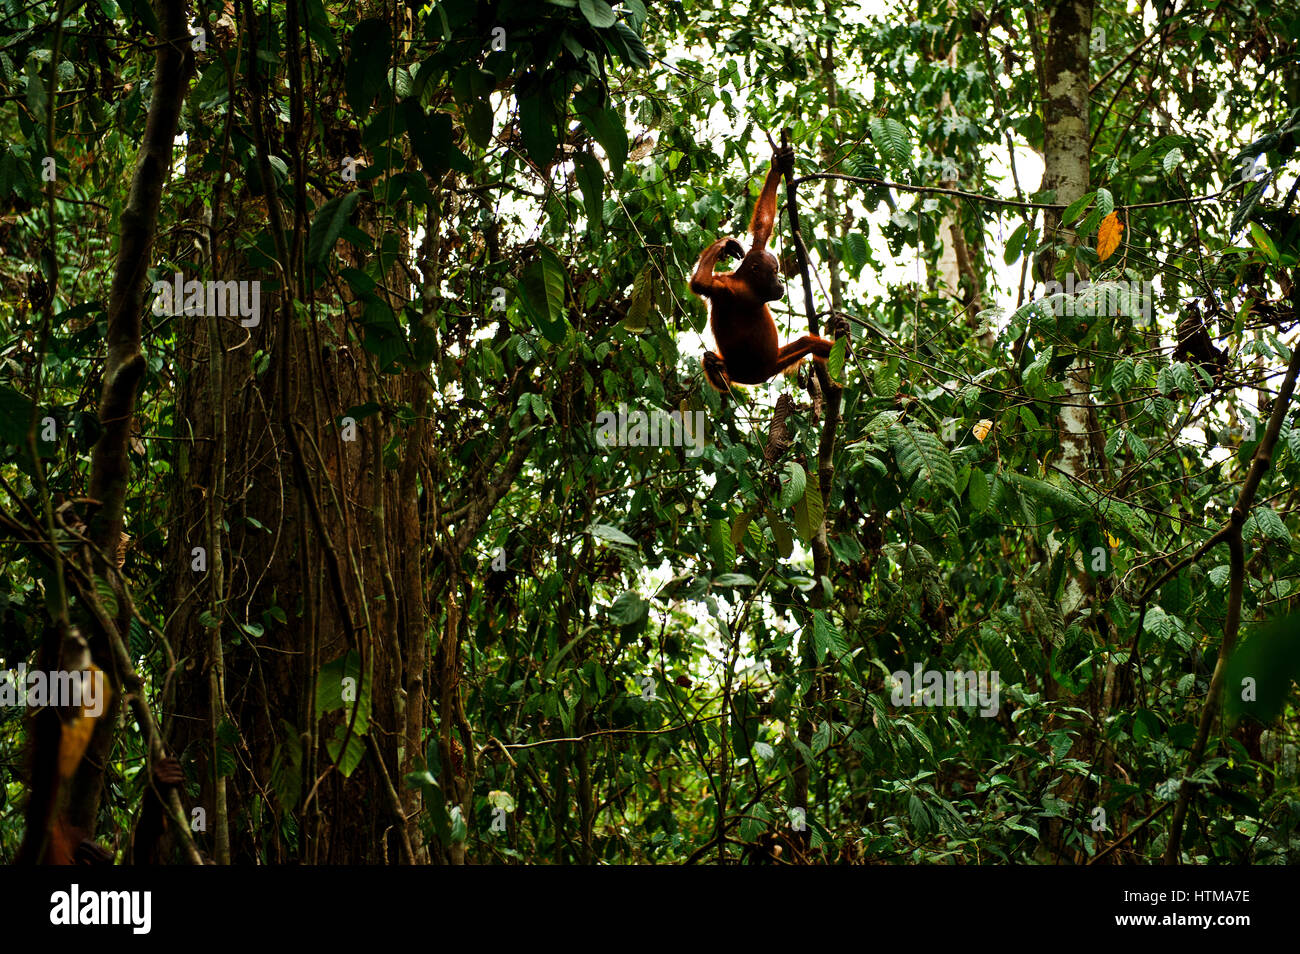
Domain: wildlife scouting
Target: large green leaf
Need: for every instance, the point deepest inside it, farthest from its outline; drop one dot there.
(328, 225)
(598, 13)
(591, 178)
(923, 458)
(1263, 671)
(433, 140)
(542, 293)
(15, 415)
(369, 59)
(891, 139)
(537, 121)
(605, 126)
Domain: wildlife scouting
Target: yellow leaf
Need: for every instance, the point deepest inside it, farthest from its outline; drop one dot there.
(1108, 236)
(981, 429)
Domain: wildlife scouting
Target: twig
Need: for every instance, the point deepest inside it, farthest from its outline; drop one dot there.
(1131, 832)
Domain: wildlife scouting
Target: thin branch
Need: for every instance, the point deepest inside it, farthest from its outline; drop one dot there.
(1236, 585)
(1010, 203)
(1130, 833)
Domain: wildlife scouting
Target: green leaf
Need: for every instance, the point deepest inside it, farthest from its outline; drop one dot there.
(1249, 202)
(1062, 501)
(739, 526)
(591, 179)
(598, 13)
(1027, 419)
(721, 546)
(501, 800)
(628, 608)
(478, 123)
(286, 764)
(327, 225)
(1122, 375)
(821, 739)
(922, 455)
(835, 363)
(400, 78)
(1270, 657)
(855, 243)
(827, 637)
(793, 484)
(459, 828)
(107, 596)
(605, 126)
(1118, 515)
(541, 290)
(1073, 210)
(1033, 376)
(1135, 444)
(332, 681)
(35, 92)
(628, 46)
(538, 405)
(318, 28)
(603, 531)
(734, 579)
(432, 139)
(920, 816)
(368, 62)
(1270, 525)
(1105, 203)
(1016, 244)
(361, 283)
(537, 124)
(780, 534)
(1187, 379)
(977, 489)
(1089, 224)
(884, 381)
(15, 415)
(636, 12)
(1263, 242)
(382, 336)
(809, 511)
(336, 680)
(890, 138)
(638, 309)
(1159, 147)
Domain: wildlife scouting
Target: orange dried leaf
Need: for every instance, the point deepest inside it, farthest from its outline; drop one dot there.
(1108, 236)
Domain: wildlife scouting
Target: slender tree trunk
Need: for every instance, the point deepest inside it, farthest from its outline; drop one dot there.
(1064, 69)
(125, 365)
